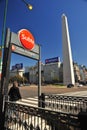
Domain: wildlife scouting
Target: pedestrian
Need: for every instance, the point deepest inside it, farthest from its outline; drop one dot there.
(14, 93)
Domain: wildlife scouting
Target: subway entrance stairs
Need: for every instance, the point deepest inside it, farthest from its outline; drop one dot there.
(65, 110)
(33, 101)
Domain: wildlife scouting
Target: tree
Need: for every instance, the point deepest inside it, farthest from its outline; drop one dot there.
(18, 78)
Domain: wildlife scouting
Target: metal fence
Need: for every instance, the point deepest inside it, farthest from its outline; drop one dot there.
(21, 117)
(69, 104)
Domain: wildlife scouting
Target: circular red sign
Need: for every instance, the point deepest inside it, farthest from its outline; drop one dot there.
(26, 39)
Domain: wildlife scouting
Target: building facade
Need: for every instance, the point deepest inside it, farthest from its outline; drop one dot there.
(50, 73)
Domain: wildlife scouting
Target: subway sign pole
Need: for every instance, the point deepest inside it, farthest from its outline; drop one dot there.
(22, 44)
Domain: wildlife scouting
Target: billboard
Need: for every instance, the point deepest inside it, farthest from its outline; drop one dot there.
(17, 66)
(52, 60)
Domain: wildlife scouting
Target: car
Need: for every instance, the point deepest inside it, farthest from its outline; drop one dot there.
(82, 82)
(80, 85)
(70, 85)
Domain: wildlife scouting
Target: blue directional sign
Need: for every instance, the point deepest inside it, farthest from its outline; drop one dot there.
(52, 60)
(19, 66)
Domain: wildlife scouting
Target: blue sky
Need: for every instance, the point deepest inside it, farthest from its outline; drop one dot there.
(44, 22)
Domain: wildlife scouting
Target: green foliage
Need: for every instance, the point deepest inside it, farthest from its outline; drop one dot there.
(18, 78)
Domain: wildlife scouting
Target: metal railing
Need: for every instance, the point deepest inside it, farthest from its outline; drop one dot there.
(22, 117)
(69, 104)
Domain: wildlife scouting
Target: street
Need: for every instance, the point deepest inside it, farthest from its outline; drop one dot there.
(30, 93)
(32, 90)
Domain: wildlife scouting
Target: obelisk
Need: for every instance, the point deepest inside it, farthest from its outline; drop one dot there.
(68, 70)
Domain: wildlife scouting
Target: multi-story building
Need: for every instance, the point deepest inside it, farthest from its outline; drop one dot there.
(51, 71)
(77, 72)
(17, 69)
(15, 72)
(83, 72)
(32, 73)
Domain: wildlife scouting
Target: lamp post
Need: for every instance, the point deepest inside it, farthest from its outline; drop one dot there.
(3, 35)
(1, 50)
(30, 7)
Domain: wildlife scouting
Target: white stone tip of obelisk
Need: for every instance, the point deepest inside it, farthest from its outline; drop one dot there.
(63, 15)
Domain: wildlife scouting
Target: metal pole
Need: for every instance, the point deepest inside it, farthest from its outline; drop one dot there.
(25, 2)
(39, 76)
(3, 33)
(4, 23)
(4, 28)
(2, 44)
(2, 41)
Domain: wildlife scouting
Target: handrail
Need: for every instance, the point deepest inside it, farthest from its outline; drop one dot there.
(17, 115)
(70, 104)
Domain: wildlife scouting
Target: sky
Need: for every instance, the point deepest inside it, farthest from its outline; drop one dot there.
(45, 23)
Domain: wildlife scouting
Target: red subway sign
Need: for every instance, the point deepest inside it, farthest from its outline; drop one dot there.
(26, 39)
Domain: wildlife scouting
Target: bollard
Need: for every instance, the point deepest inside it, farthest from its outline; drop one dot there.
(40, 102)
(43, 100)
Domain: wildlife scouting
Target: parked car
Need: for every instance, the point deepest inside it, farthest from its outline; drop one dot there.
(80, 85)
(82, 82)
(70, 85)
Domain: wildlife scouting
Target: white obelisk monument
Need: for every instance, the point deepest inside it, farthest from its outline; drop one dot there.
(68, 71)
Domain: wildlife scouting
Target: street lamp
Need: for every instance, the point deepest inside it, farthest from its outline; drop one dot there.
(1, 49)
(3, 36)
(29, 6)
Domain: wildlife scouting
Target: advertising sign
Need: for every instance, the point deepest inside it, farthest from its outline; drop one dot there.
(17, 66)
(52, 60)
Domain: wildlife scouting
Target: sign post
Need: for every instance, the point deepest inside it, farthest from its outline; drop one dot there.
(5, 75)
(27, 48)
(39, 76)
(28, 42)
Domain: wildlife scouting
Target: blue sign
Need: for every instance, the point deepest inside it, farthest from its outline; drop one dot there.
(52, 60)
(17, 66)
